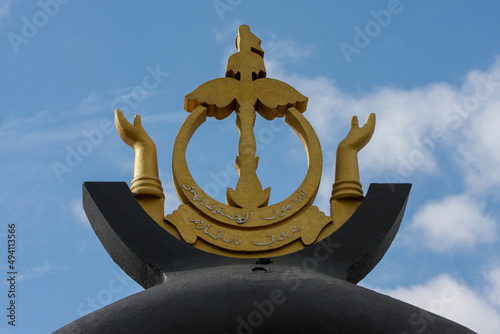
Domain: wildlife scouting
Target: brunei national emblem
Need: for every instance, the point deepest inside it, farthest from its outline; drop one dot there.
(246, 224)
(248, 266)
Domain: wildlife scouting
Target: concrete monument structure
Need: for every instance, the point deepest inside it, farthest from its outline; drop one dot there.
(247, 266)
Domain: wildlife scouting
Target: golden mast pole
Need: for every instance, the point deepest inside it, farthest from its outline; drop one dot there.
(248, 192)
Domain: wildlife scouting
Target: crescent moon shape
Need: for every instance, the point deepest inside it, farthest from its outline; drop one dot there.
(150, 255)
(186, 185)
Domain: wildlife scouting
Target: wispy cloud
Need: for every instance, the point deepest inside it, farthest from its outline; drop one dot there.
(287, 51)
(41, 129)
(39, 271)
(65, 125)
(174, 117)
(5, 9)
(227, 32)
(76, 207)
(53, 125)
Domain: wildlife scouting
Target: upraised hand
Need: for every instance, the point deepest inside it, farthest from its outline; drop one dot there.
(132, 135)
(146, 185)
(358, 137)
(347, 184)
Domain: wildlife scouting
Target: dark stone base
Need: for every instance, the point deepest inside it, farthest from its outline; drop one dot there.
(235, 299)
(309, 291)
(149, 254)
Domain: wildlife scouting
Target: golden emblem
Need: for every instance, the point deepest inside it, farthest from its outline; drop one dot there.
(246, 225)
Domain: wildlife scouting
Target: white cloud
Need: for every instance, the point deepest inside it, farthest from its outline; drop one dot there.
(286, 51)
(453, 300)
(5, 8)
(411, 124)
(76, 207)
(404, 118)
(493, 279)
(172, 202)
(455, 222)
(479, 153)
(227, 32)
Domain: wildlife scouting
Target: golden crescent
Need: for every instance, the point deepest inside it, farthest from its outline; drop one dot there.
(192, 195)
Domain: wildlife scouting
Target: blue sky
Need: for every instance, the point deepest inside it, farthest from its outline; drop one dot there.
(430, 71)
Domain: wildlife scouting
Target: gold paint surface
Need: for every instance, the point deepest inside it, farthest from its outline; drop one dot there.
(246, 225)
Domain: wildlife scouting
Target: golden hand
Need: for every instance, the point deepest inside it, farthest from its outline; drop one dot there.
(133, 135)
(357, 138)
(146, 182)
(347, 184)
